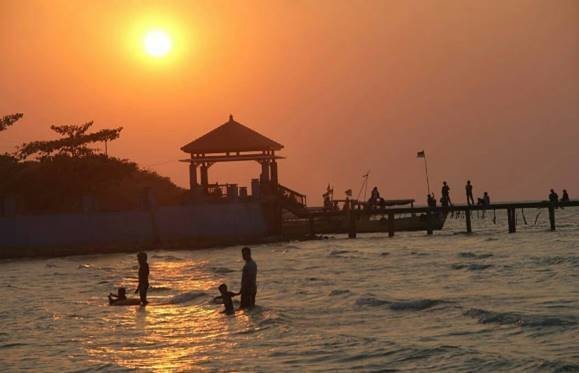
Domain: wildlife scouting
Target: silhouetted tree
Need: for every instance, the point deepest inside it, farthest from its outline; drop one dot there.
(75, 142)
(8, 120)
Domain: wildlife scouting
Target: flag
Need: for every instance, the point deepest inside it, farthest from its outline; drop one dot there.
(421, 154)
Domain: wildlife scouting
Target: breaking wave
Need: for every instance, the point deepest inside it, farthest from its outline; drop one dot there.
(186, 297)
(471, 267)
(471, 255)
(407, 305)
(512, 318)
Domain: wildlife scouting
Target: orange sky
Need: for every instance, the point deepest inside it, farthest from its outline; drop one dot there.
(490, 89)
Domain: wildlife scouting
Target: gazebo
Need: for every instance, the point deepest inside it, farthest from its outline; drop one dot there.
(230, 142)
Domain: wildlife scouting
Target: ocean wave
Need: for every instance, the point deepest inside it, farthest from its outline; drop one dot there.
(512, 318)
(168, 258)
(415, 305)
(186, 297)
(471, 267)
(471, 255)
(159, 288)
(418, 253)
(222, 270)
(555, 260)
(10, 345)
(338, 252)
(371, 301)
(406, 305)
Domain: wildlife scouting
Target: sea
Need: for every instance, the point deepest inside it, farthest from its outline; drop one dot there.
(489, 301)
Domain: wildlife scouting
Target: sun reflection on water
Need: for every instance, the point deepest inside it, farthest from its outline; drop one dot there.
(164, 336)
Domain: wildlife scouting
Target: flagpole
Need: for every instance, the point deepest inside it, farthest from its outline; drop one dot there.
(426, 170)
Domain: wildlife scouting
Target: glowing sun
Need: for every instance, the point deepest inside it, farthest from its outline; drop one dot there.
(157, 43)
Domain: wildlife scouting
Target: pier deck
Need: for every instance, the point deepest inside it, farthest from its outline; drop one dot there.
(390, 212)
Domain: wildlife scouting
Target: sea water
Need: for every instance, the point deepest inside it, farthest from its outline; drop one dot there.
(488, 301)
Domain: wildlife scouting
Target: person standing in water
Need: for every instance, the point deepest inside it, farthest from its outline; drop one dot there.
(143, 277)
(469, 196)
(248, 281)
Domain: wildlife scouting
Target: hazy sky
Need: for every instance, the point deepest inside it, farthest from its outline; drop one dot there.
(489, 89)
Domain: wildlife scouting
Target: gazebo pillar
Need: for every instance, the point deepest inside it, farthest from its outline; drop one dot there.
(274, 179)
(193, 184)
(205, 177)
(264, 177)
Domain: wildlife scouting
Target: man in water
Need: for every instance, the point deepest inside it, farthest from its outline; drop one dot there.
(143, 277)
(469, 196)
(248, 281)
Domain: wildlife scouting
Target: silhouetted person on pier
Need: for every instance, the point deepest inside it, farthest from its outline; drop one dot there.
(143, 277)
(445, 191)
(374, 198)
(469, 196)
(119, 296)
(553, 197)
(248, 280)
(227, 296)
(565, 196)
(431, 200)
(485, 200)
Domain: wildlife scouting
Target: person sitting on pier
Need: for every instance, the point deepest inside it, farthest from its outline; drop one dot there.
(119, 296)
(553, 197)
(565, 196)
(445, 191)
(485, 200)
(469, 196)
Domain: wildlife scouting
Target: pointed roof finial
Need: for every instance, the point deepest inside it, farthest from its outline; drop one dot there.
(230, 117)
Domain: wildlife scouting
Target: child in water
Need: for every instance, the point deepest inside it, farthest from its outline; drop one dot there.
(119, 296)
(227, 299)
(143, 277)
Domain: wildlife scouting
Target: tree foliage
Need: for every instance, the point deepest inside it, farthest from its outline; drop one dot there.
(74, 143)
(8, 120)
(59, 184)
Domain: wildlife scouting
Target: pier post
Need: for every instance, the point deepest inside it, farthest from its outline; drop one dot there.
(351, 224)
(468, 222)
(312, 231)
(552, 217)
(511, 218)
(428, 223)
(390, 224)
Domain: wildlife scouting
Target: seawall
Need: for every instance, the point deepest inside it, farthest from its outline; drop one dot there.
(191, 226)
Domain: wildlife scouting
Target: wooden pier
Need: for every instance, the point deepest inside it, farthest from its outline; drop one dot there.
(389, 213)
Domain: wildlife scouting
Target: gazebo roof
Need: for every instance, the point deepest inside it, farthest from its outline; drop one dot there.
(231, 137)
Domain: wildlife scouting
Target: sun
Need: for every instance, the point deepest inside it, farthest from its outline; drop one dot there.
(157, 43)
